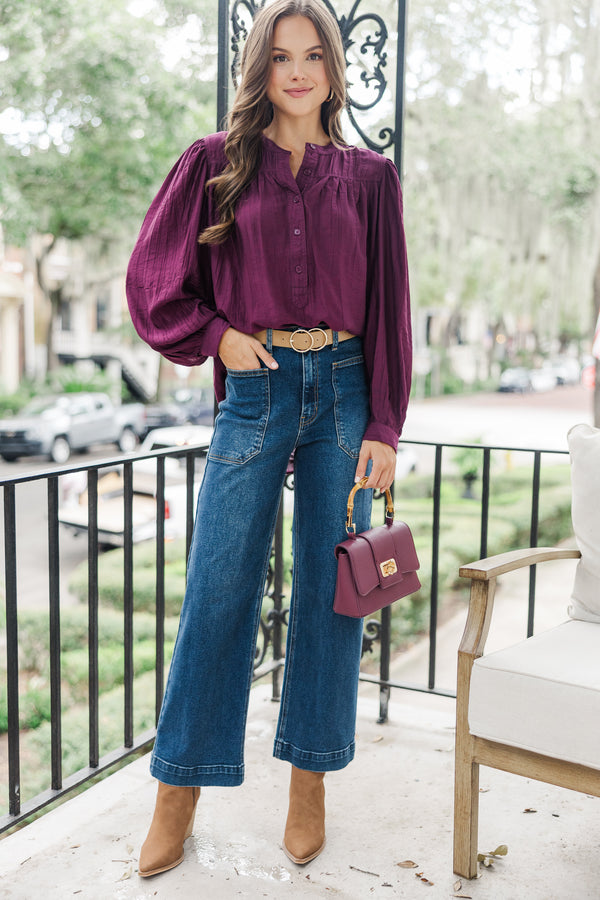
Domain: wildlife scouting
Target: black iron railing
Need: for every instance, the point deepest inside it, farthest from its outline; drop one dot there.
(383, 629)
(270, 651)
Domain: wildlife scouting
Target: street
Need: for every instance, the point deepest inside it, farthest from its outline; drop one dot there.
(501, 419)
(514, 420)
(534, 420)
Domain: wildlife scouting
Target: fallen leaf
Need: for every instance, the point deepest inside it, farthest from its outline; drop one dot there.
(457, 886)
(126, 874)
(130, 848)
(377, 739)
(407, 864)
(487, 859)
(464, 896)
(529, 810)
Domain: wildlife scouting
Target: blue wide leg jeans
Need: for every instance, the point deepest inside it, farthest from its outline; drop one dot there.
(317, 405)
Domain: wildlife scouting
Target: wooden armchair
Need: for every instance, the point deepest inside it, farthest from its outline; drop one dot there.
(532, 709)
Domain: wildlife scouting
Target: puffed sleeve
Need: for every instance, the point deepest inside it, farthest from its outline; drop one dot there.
(387, 338)
(169, 284)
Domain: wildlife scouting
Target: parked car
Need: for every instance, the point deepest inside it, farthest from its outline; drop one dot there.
(193, 405)
(566, 369)
(163, 415)
(516, 379)
(55, 425)
(543, 379)
(176, 436)
(197, 404)
(73, 511)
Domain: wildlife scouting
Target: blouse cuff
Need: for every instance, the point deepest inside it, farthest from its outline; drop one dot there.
(211, 336)
(376, 431)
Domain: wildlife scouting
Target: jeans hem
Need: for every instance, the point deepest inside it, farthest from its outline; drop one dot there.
(313, 761)
(196, 776)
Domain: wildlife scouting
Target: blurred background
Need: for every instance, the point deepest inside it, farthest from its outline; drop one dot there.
(500, 175)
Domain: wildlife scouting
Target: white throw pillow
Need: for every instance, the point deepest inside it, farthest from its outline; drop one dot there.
(584, 447)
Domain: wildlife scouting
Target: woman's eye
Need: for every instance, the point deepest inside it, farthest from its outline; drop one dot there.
(315, 57)
(280, 58)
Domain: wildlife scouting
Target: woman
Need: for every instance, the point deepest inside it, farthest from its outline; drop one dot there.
(277, 250)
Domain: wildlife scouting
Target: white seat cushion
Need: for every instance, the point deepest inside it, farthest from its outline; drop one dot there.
(542, 694)
(584, 447)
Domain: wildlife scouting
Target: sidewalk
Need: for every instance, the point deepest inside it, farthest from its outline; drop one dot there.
(393, 803)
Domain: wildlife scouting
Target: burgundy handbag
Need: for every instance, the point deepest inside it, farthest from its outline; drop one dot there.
(377, 567)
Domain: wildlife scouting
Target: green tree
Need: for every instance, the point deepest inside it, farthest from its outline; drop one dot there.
(502, 169)
(97, 103)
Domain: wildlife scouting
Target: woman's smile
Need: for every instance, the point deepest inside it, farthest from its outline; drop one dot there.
(298, 92)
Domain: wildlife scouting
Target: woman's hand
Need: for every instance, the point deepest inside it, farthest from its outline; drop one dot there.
(242, 351)
(384, 464)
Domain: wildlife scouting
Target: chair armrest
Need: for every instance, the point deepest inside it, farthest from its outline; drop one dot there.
(484, 569)
(483, 574)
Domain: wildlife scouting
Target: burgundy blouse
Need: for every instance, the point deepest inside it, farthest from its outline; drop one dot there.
(326, 246)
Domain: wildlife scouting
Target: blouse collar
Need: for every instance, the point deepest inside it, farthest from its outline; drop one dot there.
(276, 152)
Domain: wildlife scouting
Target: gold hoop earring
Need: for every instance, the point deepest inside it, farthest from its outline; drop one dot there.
(331, 95)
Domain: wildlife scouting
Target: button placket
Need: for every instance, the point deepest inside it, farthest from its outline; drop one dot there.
(299, 254)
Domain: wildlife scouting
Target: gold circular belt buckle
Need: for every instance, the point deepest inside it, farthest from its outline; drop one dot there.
(314, 332)
(302, 335)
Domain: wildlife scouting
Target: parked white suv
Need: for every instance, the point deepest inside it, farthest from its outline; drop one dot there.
(73, 511)
(53, 426)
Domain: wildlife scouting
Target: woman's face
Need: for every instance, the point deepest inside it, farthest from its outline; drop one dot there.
(298, 83)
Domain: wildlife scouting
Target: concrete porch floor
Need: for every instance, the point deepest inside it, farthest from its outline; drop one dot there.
(393, 803)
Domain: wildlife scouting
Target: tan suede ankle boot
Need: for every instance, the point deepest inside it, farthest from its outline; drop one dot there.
(172, 823)
(304, 836)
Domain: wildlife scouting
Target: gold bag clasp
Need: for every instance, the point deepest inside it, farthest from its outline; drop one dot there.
(388, 567)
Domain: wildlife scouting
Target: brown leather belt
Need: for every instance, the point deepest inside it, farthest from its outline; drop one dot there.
(303, 339)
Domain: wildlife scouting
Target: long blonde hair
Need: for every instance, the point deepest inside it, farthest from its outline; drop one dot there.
(252, 111)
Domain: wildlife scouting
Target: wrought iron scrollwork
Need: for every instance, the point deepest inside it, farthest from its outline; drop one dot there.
(372, 77)
(241, 11)
(262, 645)
(371, 58)
(274, 618)
(371, 635)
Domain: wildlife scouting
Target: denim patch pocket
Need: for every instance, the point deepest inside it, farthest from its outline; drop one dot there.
(351, 403)
(243, 416)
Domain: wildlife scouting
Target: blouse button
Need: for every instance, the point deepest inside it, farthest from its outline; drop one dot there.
(308, 171)
(296, 199)
(297, 231)
(299, 270)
